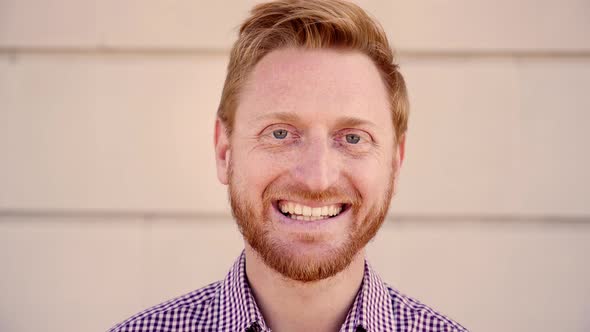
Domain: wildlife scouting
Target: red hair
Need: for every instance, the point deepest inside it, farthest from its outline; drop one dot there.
(311, 24)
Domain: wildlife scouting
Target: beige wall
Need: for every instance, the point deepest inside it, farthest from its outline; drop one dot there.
(109, 201)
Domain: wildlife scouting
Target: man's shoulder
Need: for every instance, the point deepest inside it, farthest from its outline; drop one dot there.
(412, 315)
(186, 310)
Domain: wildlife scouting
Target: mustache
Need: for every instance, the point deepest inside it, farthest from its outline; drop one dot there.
(298, 192)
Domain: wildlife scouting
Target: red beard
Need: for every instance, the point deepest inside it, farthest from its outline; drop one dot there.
(256, 226)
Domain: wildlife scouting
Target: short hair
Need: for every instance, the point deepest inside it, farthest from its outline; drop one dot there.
(312, 25)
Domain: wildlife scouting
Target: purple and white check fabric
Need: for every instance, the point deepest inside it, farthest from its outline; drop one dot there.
(229, 305)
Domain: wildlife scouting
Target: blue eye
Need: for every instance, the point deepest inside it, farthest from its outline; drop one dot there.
(280, 133)
(352, 138)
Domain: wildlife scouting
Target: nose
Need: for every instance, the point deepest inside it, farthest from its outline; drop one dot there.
(317, 167)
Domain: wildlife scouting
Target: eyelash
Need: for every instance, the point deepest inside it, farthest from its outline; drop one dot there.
(268, 133)
(291, 135)
(364, 137)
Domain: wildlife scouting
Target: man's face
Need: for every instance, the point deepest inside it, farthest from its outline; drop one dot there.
(312, 159)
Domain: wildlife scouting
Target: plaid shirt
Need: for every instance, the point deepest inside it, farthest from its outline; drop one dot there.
(229, 305)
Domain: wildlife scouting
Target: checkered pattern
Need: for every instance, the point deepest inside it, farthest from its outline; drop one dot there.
(229, 305)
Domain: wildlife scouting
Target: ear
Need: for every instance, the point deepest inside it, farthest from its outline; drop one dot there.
(222, 152)
(398, 160)
(401, 151)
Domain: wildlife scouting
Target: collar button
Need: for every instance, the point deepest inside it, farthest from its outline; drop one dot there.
(254, 328)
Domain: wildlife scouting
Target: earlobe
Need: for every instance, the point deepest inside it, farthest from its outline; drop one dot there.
(222, 152)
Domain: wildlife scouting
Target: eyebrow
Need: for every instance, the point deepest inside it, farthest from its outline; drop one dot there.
(346, 121)
(349, 121)
(281, 116)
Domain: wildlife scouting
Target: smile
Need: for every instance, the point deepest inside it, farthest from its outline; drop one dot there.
(298, 211)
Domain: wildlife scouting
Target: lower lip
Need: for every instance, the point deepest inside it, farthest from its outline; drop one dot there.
(305, 223)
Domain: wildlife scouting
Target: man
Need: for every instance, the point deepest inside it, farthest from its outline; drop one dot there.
(310, 139)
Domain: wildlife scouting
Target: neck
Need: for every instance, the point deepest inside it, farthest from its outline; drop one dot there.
(289, 305)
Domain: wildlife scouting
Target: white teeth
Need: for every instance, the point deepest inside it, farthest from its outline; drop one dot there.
(306, 218)
(284, 208)
(316, 212)
(306, 211)
(309, 213)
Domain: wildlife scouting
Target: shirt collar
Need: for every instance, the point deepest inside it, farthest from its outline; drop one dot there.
(372, 309)
(237, 310)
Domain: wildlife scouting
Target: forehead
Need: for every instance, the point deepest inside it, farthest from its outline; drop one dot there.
(315, 84)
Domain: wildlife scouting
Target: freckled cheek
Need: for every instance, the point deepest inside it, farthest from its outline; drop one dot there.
(259, 169)
(368, 178)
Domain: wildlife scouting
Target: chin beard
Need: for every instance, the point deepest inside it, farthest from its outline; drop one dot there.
(256, 227)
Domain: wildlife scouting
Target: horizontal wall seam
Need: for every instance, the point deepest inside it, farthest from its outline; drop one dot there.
(191, 216)
(189, 51)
